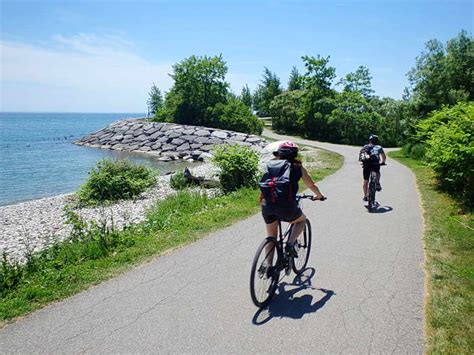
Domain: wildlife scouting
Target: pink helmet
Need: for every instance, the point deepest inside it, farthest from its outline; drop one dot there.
(287, 150)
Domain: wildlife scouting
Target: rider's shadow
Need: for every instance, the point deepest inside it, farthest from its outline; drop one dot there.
(381, 209)
(286, 303)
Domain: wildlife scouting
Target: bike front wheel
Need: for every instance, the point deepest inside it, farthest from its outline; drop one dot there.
(303, 247)
(265, 272)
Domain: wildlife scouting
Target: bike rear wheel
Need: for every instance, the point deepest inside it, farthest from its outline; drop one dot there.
(265, 272)
(303, 245)
(371, 197)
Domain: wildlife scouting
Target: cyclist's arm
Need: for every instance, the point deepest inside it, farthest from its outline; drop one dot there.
(383, 156)
(308, 181)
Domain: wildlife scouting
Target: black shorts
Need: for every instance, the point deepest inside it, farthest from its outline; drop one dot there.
(368, 168)
(286, 213)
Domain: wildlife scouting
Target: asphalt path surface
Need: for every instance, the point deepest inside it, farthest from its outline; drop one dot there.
(362, 292)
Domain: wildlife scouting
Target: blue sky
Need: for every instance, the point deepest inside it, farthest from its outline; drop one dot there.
(103, 56)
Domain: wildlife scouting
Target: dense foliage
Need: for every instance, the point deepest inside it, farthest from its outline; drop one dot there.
(448, 146)
(200, 96)
(112, 181)
(236, 116)
(443, 74)
(239, 167)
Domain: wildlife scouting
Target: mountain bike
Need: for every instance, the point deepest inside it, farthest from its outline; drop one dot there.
(371, 203)
(272, 258)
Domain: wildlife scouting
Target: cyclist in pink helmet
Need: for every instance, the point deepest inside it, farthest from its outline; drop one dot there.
(288, 211)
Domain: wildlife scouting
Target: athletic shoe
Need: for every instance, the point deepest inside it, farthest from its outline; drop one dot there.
(365, 199)
(378, 187)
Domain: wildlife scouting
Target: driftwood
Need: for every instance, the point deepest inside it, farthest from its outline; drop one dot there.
(199, 180)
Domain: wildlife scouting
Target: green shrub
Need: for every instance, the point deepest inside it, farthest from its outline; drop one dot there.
(178, 181)
(450, 152)
(234, 115)
(112, 181)
(239, 167)
(415, 150)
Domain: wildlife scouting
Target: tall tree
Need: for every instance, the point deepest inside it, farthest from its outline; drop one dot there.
(318, 96)
(246, 96)
(199, 84)
(295, 81)
(155, 100)
(268, 88)
(359, 81)
(443, 75)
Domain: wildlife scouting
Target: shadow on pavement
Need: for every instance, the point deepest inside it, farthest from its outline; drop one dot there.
(381, 209)
(287, 304)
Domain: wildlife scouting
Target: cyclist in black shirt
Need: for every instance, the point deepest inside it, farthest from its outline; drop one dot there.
(372, 156)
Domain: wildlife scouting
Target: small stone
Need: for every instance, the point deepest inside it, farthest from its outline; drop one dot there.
(188, 138)
(188, 131)
(201, 140)
(219, 134)
(238, 137)
(253, 140)
(164, 140)
(173, 134)
(203, 133)
(138, 132)
(168, 147)
(183, 147)
(196, 153)
(215, 141)
(177, 141)
(196, 145)
(207, 147)
(117, 138)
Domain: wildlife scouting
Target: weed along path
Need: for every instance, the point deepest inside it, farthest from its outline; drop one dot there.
(362, 293)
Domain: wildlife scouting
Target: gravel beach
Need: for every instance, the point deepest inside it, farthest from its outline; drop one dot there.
(32, 226)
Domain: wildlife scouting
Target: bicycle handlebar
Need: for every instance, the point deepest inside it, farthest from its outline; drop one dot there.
(311, 197)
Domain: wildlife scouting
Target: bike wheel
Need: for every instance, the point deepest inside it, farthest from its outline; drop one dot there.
(265, 273)
(371, 198)
(303, 245)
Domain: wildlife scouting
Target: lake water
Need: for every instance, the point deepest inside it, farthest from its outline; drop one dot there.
(38, 157)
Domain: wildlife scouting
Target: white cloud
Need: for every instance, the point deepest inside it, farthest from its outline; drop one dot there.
(86, 72)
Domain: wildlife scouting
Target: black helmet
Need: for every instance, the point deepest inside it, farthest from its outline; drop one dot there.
(373, 139)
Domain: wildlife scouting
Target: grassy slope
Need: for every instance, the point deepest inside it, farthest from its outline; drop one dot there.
(175, 222)
(449, 246)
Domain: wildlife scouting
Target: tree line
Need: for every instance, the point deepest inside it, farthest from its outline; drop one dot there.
(435, 112)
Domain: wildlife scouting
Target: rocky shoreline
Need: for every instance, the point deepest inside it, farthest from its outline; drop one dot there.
(168, 140)
(32, 226)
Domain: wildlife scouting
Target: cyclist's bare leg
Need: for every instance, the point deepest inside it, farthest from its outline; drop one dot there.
(272, 231)
(298, 227)
(378, 177)
(365, 187)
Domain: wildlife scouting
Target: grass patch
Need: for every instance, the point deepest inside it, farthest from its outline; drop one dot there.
(96, 253)
(449, 248)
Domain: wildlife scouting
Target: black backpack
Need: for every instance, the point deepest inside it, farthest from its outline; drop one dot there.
(275, 184)
(368, 155)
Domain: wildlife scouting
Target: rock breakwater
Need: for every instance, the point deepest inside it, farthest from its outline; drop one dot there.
(168, 140)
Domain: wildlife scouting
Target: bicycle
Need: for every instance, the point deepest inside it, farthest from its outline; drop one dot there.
(371, 203)
(272, 257)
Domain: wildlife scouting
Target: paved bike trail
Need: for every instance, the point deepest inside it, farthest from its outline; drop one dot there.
(363, 291)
